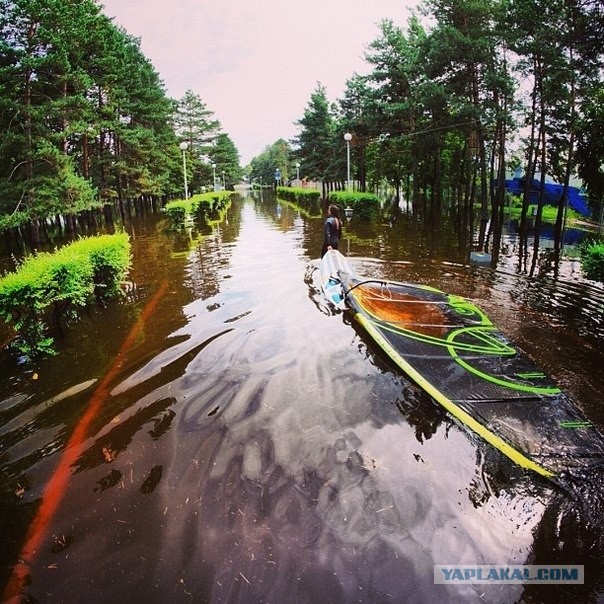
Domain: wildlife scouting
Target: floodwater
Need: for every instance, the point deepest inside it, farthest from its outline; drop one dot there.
(221, 435)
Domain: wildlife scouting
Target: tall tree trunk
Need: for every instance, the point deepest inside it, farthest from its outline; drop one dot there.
(436, 208)
(102, 143)
(563, 201)
(27, 113)
(362, 164)
(499, 199)
(85, 157)
(543, 149)
(34, 225)
(480, 139)
(531, 156)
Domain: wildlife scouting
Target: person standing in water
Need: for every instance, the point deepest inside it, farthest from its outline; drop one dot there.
(332, 230)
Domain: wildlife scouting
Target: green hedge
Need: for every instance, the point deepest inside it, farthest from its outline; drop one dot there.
(206, 206)
(48, 286)
(365, 206)
(307, 199)
(592, 260)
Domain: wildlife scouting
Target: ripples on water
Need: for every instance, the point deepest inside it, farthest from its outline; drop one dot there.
(257, 449)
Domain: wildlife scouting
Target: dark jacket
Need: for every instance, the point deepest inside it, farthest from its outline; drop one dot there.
(331, 234)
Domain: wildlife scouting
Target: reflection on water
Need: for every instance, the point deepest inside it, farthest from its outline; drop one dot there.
(254, 447)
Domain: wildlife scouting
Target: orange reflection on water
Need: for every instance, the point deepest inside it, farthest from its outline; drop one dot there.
(57, 485)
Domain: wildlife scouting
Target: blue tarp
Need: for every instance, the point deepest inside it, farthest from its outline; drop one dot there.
(552, 194)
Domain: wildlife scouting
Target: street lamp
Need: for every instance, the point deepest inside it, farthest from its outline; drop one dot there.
(223, 181)
(298, 172)
(183, 147)
(213, 176)
(347, 138)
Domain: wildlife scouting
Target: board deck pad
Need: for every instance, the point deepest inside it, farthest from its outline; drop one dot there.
(449, 347)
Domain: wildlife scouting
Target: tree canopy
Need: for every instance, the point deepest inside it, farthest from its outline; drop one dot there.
(465, 90)
(469, 89)
(85, 116)
(277, 156)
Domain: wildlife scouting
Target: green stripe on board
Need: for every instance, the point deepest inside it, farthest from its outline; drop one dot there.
(464, 417)
(576, 424)
(531, 375)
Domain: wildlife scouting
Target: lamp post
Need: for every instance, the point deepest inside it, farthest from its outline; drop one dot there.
(347, 138)
(223, 181)
(183, 147)
(298, 172)
(213, 176)
(348, 211)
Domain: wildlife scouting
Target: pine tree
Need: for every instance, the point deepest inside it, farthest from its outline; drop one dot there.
(226, 159)
(316, 139)
(85, 114)
(196, 125)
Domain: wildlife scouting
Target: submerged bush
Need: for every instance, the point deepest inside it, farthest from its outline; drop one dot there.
(207, 206)
(592, 260)
(48, 286)
(177, 211)
(307, 199)
(365, 206)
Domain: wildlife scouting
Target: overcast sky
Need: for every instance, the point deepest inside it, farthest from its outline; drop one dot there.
(255, 63)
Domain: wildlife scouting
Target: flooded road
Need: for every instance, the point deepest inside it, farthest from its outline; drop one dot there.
(248, 445)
